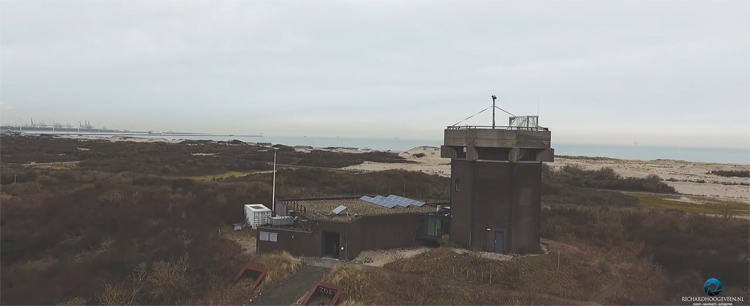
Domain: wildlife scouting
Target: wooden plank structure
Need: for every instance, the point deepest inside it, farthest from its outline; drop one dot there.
(321, 290)
(255, 272)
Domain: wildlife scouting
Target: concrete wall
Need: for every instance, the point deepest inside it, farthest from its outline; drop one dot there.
(526, 207)
(496, 195)
(493, 187)
(460, 232)
(498, 138)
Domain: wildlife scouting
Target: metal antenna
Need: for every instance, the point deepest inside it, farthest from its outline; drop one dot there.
(273, 192)
(493, 111)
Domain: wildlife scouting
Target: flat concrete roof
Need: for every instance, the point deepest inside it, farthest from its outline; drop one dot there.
(321, 208)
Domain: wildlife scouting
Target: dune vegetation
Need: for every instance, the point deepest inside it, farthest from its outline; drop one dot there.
(128, 226)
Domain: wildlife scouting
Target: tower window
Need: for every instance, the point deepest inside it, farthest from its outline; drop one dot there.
(458, 187)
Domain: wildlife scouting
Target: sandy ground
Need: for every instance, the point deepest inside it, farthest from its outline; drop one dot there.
(687, 174)
(380, 258)
(118, 138)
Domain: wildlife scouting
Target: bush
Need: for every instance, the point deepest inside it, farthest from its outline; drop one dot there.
(731, 173)
(719, 247)
(169, 280)
(604, 178)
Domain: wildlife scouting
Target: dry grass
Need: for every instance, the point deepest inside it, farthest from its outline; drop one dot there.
(350, 302)
(116, 295)
(377, 286)
(383, 287)
(76, 301)
(610, 275)
(170, 279)
(244, 238)
(350, 277)
(280, 265)
(226, 175)
(651, 201)
(39, 264)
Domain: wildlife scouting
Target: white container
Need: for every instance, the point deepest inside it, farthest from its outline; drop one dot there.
(282, 221)
(257, 215)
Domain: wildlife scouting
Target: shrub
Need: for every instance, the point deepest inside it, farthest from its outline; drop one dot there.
(169, 280)
(116, 295)
(604, 178)
(731, 173)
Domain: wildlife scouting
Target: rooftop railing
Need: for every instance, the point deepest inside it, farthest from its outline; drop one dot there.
(484, 127)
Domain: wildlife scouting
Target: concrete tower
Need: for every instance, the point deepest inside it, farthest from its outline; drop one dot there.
(496, 178)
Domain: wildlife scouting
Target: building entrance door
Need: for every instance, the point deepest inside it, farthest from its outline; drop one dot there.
(330, 245)
(499, 242)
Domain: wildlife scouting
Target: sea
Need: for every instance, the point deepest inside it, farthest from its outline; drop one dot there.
(638, 152)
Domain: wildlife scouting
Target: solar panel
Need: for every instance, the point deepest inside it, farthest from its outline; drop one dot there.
(339, 209)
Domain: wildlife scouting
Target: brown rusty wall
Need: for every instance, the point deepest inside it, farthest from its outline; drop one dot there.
(492, 203)
(319, 226)
(461, 202)
(388, 231)
(297, 243)
(353, 244)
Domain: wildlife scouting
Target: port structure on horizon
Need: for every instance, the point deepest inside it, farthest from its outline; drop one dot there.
(496, 182)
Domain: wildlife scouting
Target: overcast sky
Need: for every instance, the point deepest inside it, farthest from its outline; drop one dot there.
(672, 73)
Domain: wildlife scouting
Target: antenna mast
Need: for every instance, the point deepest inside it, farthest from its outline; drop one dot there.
(493, 111)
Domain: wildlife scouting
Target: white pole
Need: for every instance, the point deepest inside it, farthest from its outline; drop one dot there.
(273, 193)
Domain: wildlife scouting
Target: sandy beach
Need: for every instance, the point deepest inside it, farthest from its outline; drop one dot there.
(689, 178)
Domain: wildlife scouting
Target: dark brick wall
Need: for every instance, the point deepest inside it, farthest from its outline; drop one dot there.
(297, 243)
(496, 195)
(388, 231)
(526, 207)
(492, 196)
(461, 202)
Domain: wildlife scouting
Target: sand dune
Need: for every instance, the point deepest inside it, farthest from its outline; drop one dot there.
(688, 176)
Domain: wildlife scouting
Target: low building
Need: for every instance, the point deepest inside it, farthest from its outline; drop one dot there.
(343, 227)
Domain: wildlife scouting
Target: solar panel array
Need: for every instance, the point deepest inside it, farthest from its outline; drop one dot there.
(392, 201)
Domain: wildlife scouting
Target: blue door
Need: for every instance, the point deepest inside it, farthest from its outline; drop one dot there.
(499, 241)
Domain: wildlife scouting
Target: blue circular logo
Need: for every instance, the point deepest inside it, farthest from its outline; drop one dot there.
(707, 286)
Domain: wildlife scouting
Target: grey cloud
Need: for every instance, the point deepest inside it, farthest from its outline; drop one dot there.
(272, 65)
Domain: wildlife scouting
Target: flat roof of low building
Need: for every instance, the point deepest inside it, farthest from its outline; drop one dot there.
(323, 208)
